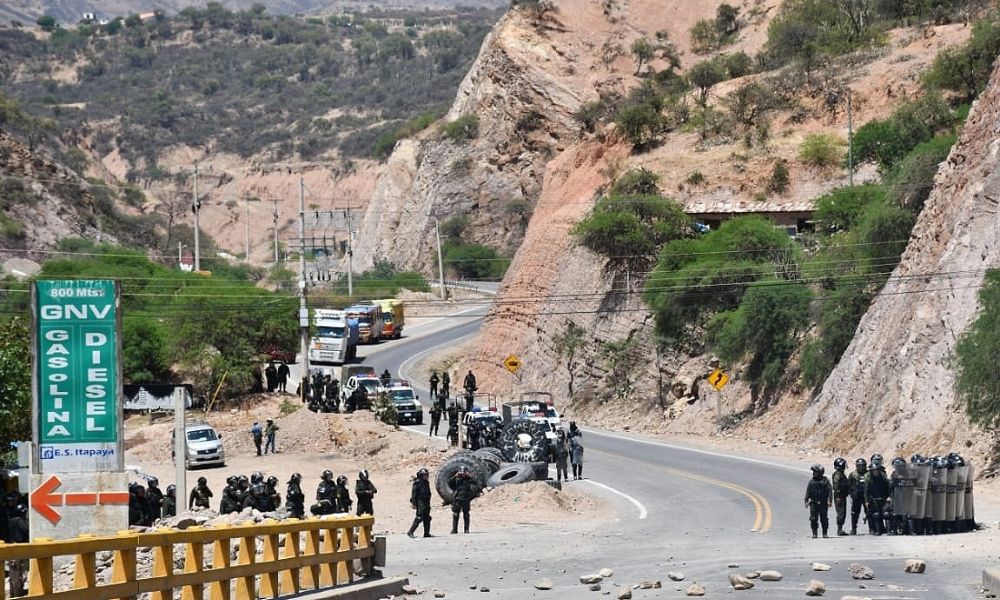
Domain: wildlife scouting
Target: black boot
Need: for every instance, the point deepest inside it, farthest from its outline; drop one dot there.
(413, 527)
(454, 522)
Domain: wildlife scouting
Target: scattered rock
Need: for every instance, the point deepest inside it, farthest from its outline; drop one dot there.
(752, 575)
(543, 584)
(410, 590)
(740, 582)
(592, 578)
(484, 589)
(625, 594)
(606, 572)
(816, 588)
(649, 585)
(596, 587)
(915, 566)
(770, 576)
(859, 571)
(733, 565)
(439, 594)
(675, 576)
(819, 567)
(696, 589)
(894, 588)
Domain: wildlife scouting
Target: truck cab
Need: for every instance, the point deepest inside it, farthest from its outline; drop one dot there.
(370, 322)
(393, 318)
(335, 337)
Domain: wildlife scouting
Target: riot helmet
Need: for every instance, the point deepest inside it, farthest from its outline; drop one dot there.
(171, 490)
(861, 465)
(898, 463)
(272, 481)
(422, 473)
(295, 478)
(342, 480)
(327, 475)
(257, 477)
(840, 464)
(876, 461)
(202, 481)
(152, 482)
(817, 470)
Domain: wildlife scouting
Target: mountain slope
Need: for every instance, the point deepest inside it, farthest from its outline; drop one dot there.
(893, 386)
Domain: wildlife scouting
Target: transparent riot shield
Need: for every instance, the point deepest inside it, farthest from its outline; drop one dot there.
(970, 507)
(920, 491)
(951, 494)
(962, 472)
(904, 482)
(938, 492)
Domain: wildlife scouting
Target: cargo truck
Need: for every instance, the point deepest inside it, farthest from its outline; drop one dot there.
(393, 318)
(335, 337)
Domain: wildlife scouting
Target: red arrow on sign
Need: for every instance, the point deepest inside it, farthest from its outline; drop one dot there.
(42, 499)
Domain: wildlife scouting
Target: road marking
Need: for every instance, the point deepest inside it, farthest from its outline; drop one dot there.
(642, 509)
(761, 507)
(406, 365)
(698, 451)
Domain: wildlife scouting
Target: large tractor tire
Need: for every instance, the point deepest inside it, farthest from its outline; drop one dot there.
(489, 459)
(495, 452)
(512, 473)
(541, 470)
(524, 441)
(442, 482)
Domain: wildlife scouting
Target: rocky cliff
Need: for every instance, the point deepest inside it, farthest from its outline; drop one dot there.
(893, 388)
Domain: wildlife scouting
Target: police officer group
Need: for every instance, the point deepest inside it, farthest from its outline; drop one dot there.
(921, 497)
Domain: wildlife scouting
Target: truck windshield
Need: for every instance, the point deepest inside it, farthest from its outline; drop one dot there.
(371, 385)
(330, 332)
(402, 395)
(387, 318)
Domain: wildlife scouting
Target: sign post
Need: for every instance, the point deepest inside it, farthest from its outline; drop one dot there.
(77, 409)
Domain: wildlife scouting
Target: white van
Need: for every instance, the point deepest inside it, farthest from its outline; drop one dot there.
(204, 446)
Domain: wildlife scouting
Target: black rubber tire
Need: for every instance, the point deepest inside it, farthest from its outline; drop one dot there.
(541, 470)
(525, 441)
(495, 452)
(448, 470)
(489, 459)
(511, 473)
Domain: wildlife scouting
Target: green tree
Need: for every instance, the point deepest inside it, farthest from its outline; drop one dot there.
(46, 22)
(643, 51)
(640, 123)
(974, 359)
(843, 208)
(568, 342)
(704, 76)
(144, 351)
(463, 128)
(15, 382)
(821, 150)
(629, 229)
(967, 69)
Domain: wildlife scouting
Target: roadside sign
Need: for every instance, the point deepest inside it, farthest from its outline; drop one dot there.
(718, 379)
(512, 363)
(76, 349)
(67, 506)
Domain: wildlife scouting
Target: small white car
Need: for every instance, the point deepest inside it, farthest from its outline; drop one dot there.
(408, 405)
(204, 446)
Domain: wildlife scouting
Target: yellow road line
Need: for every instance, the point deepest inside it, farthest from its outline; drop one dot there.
(762, 508)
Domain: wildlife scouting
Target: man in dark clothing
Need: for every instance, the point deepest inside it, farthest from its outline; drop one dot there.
(857, 483)
(435, 419)
(138, 508)
(453, 414)
(304, 394)
(318, 387)
(257, 432)
(420, 500)
(230, 501)
(154, 498)
(326, 495)
(434, 384)
(258, 498)
(273, 497)
(243, 487)
(469, 384)
(200, 495)
(17, 533)
(332, 394)
(294, 498)
(462, 483)
(271, 375)
(559, 453)
(170, 502)
(343, 495)
(841, 490)
(877, 491)
(445, 384)
(385, 378)
(270, 431)
(283, 374)
(365, 490)
(453, 432)
(819, 497)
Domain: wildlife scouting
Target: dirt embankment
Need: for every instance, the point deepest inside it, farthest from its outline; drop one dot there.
(309, 443)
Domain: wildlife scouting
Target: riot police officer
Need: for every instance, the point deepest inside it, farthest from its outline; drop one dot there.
(876, 493)
(343, 495)
(857, 483)
(231, 496)
(154, 498)
(462, 482)
(170, 502)
(819, 497)
(294, 498)
(273, 497)
(420, 500)
(326, 497)
(841, 490)
(200, 495)
(365, 490)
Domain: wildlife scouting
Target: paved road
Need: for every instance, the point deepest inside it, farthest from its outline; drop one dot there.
(677, 509)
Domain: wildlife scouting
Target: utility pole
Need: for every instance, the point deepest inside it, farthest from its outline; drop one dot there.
(303, 309)
(179, 257)
(850, 141)
(275, 215)
(197, 208)
(350, 252)
(180, 442)
(437, 234)
(247, 226)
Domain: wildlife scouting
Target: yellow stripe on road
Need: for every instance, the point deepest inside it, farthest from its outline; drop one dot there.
(762, 508)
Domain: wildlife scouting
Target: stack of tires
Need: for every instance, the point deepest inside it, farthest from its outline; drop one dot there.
(522, 458)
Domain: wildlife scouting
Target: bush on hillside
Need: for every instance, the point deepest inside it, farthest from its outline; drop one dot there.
(629, 229)
(821, 150)
(843, 208)
(886, 142)
(974, 359)
(966, 70)
(463, 128)
(474, 261)
(910, 182)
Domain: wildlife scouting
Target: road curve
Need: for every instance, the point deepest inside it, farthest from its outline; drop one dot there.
(705, 511)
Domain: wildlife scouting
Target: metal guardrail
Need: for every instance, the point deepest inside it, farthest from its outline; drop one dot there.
(316, 554)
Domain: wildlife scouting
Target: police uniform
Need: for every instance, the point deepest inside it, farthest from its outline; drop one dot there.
(819, 495)
(420, 499)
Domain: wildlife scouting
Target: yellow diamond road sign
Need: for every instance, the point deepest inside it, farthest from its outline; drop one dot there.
(512, 363)
(718, 379)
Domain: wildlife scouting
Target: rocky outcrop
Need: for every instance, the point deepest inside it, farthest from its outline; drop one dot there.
(893, 389)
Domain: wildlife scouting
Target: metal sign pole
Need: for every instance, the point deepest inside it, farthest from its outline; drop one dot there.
(180, 443)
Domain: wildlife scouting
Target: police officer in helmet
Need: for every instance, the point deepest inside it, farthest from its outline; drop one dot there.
(841, 490)
(819, 497)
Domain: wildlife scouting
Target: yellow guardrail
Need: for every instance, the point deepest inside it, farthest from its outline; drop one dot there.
(315, 554)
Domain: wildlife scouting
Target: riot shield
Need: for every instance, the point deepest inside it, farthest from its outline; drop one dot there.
(904, 482)
(938, 491)
(920, 491)
(970, 507)
(962, 473)
(951, 494)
